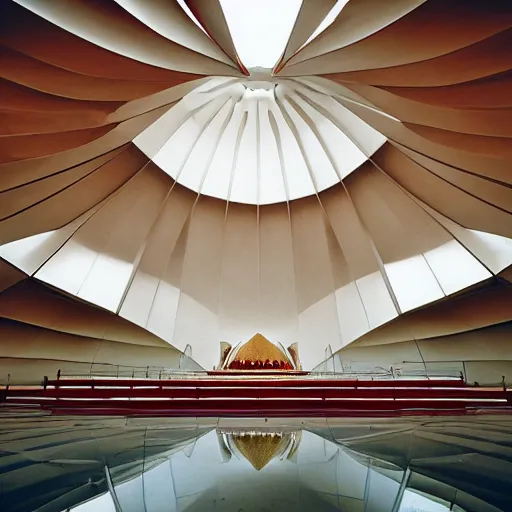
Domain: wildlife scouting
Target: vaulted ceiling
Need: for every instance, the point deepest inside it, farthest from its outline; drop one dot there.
(156, 197)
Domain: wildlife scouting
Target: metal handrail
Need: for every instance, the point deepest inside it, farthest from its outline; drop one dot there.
(158, 373)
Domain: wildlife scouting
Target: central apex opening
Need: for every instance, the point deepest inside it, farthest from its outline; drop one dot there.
(260, 79)
(260, 28)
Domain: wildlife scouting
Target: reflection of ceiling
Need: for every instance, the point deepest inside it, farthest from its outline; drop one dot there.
(466, 462)
(340, 464)
(57, 463)
(368, 176)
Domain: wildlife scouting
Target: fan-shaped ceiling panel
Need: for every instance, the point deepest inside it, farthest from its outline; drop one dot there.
(259, 140)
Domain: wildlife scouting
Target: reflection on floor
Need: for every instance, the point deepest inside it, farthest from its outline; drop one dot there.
(55, 464)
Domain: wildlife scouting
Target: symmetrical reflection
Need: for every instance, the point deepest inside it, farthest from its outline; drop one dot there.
(156, 465)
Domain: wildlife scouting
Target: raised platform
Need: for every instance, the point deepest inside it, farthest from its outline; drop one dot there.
(291, 397)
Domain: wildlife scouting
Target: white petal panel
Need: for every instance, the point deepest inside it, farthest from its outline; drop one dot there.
(258, 140)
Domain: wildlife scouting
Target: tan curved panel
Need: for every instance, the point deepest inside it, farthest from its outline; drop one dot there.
(401, 233)
(445, 70)
(491, 191)
(278, 314)
(482, 306)
(352, 317)
(170, 20)
(30, 342)
(499, 147)
(398, 227)
(507, 274)
(23, 171)
(201, 282)
(357, 20)
(353, 358)
(168, 97)
(107, 245)
(27, 111)
(494, 251)
(49, 79)
(469, 152)
(153, 287)
(314, 280)
(29, 254)
(25, 372)
(469, 346)
(51, 44)
(74, 200)
(349, 232)
(23, 101)
(489, 122)
(429, 31)
(239, 295)
(108, 25)
(311, 14)
(36, 123)
(24, 147)
(435, 188)
(210, 15)
(422, 260)
(9, 275)
(33, 304)
(484, 354)
(492, 92)
(18, 198)
(363, 299)
(23, 344)
(163, 315)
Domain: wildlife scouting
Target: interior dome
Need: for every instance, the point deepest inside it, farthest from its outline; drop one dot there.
(157, 196)
(259, 139)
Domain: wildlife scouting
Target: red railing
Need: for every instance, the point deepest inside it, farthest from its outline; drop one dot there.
(257, 383)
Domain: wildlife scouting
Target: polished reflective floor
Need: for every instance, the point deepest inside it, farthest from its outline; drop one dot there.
(424, 464)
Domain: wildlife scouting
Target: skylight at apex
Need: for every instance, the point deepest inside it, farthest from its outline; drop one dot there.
(260, 29)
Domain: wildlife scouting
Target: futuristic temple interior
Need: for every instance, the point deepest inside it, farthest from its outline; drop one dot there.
(255, 255)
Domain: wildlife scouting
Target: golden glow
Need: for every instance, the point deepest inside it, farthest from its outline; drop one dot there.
(260, 450)
(258, 347)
